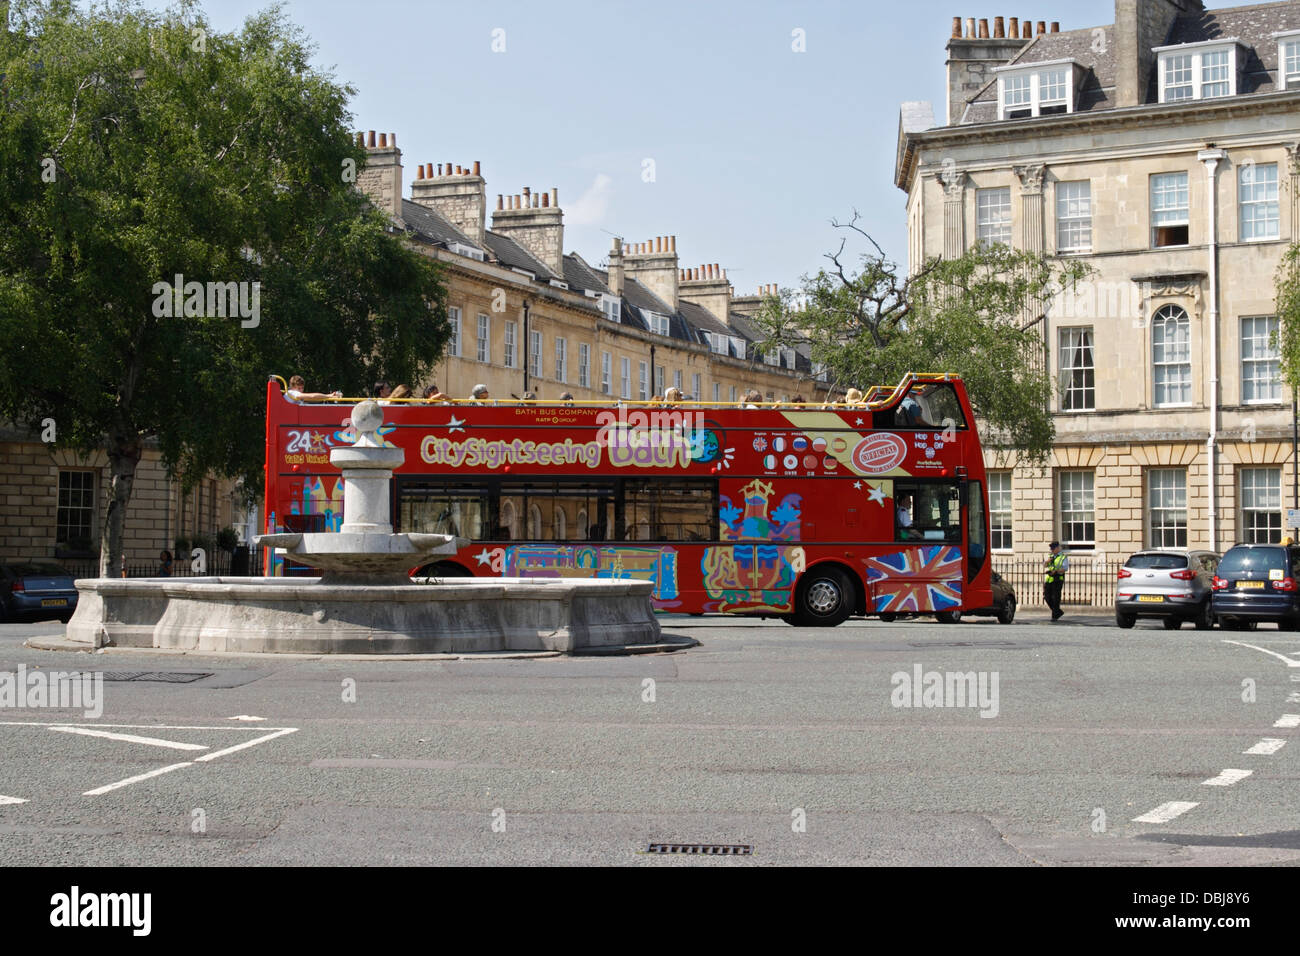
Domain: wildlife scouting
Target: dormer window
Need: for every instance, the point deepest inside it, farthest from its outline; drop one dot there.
(1288, 60)
(657, 322)
(460, 249)
(1039, 89)
(1198, 71)
(611, 306)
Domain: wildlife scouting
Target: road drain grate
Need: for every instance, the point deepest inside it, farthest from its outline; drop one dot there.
(162, 677)
(702, 849)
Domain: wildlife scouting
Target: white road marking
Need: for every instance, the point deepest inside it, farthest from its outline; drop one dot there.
(1226, 778)
(136, 779)
(1288, 720)
(7, 800)
(1264, 650)
(64, 723)
(1269, 745)
(1293, 697)
(1166, 812)
(245, 717)
(130, 738)
(249, 743)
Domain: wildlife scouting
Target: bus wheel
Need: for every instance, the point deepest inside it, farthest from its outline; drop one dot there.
(948, 617)
(825, 598)
(889, 617)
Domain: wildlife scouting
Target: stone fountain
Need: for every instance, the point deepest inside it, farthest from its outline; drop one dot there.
(364, 602)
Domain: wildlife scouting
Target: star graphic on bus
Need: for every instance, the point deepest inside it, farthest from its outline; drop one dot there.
(483, 557)
(859, 422)
(857, 486)
(455, 424)
(877, 495)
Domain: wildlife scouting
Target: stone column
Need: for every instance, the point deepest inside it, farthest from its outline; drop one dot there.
(1032, 236)
(953, 181)
(1293, 164)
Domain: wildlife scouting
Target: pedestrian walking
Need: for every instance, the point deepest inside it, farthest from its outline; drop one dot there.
(1057, 563)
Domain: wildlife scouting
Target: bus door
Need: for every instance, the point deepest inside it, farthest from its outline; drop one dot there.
(927, 572)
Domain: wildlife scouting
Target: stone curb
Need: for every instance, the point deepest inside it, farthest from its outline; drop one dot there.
(63, 644)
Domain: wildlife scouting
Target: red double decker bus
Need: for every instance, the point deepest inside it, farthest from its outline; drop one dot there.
(807, 512)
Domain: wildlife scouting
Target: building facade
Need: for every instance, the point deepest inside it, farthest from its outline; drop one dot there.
(528, 317)
(1160, 149)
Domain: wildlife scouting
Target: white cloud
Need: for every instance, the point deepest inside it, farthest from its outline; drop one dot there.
(592, 205)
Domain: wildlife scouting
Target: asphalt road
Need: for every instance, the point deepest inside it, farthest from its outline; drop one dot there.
(786, 740)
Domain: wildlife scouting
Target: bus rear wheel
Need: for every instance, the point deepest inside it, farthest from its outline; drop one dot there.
(443, 569)
(825, 598)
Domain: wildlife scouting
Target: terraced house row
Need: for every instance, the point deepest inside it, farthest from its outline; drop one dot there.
(1164, 151)
(528, 317)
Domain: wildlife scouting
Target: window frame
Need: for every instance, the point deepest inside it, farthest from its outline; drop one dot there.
(1196, 54)
(562, 360)
(1082, 223)
(1274, 359)
(536, 345)
(1088, 388)
(987, 227)
(1063, 535)
(1246, 533)
(1156, 385)
(584, 365)
(624, 377)
(1252, 171)
(643, 381)
(1035, 102)
(1155, 533)
(510, 344)
(1186, 221)
(483, 340)
(453, 322)
(606, 373)
(63, 537)
(1004, 531)
(1288, 47)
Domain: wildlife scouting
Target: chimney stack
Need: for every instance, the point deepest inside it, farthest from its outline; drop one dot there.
(536, 225)
(616, 267)
(458, 195)
(972, 55)
(381, 177)
(654, 265)
(1141, 25)
(707, 287)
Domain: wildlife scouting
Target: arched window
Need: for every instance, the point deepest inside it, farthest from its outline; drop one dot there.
(561, 524)
(534, 523)
(1171, 357)
(508, 518)
(582, 524)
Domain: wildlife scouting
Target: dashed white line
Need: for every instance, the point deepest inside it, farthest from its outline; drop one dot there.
(1226, 778)
(136, 779)
(130, 738)
(1269, 745)
(1288, 720)
(1293, 697)
(1166, 812)
(7, 800)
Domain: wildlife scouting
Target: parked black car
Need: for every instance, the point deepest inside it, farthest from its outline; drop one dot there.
(36, 590)
(1258, 582)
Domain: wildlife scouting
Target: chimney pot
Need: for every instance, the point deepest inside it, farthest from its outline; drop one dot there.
(370, 139)
(528, 191)
(970, 28)
(956, 28)
(361, 138)
(618, 245)
(1013, 28)
(672, 244)
(984, 29)
(555, 196)
(392, 140)
(1042, 27)
(476, 168)
(999, 29)
(448, 165)
(383, 140)
(546, 200)
(659, 243)
(1056, 26)
(500, 201)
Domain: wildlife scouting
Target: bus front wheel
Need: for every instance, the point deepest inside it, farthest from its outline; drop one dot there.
(825, 598)
(443, 569)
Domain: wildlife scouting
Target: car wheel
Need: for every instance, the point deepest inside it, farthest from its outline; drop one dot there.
(889, 617)
(1240, 625)
(1205, 617)
(948, 617)
(1172, 623)
(825, 598)
(1125, 620)
(1008, 612)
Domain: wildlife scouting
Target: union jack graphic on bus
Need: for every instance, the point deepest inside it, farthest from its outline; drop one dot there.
(916, 580)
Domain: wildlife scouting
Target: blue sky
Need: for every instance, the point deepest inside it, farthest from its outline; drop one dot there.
(756, 147)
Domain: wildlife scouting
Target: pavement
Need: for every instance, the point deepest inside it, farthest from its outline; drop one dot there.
(1080, 744)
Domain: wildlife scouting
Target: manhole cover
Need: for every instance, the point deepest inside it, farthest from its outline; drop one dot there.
(702, 849)
(162, 677)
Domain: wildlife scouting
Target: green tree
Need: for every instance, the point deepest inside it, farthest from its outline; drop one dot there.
(977, 316)
(1288, 313)
(136, 147)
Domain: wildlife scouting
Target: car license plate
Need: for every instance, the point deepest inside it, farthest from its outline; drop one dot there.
(1249, 584)
(1153, 598)
(54, 602)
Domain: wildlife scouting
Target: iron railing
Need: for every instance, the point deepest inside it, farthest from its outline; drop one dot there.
(219, 564)
(1088, 583)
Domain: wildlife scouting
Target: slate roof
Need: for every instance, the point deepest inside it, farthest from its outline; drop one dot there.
(430, 225)
(514, 256)
(1252, 25)
(581, 276)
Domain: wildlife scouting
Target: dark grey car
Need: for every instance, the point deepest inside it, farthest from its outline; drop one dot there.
(35, 590)
(1174, 586)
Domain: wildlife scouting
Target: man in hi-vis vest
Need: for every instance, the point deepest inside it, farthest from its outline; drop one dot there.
(1054, 579)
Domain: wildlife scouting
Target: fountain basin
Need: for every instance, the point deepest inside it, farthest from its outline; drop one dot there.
(298, 615)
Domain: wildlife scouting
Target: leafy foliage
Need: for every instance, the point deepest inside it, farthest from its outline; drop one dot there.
(1288, 313)
(976, 317)
(137, 146)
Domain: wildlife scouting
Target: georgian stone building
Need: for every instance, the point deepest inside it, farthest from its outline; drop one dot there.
(1161, 149)
(528, 317)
